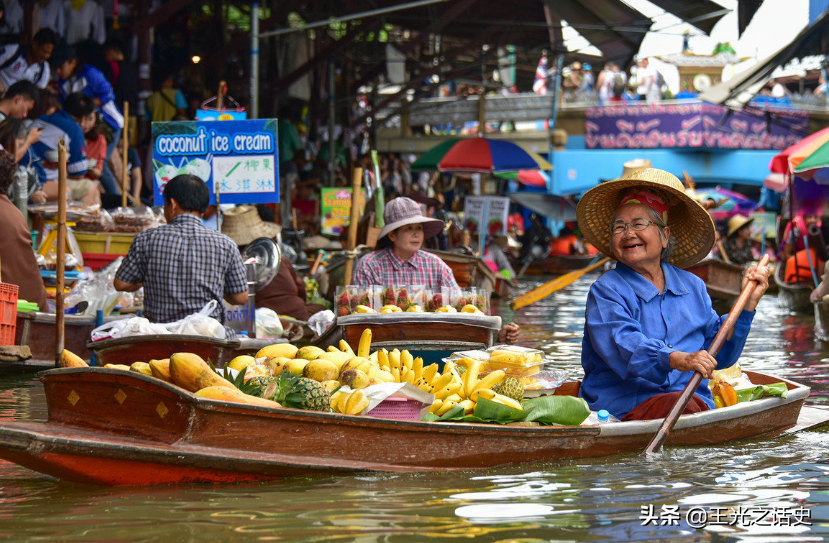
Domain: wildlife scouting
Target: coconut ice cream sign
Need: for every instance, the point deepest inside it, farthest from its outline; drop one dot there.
(237, 159)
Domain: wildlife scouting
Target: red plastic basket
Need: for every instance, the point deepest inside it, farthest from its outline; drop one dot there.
(398, 409)
(8, 313)
(96, 261)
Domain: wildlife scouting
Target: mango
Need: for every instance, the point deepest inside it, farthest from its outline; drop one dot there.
(356, 363)
(141, 367)
(309, 352)
(355, 379)
(338, 358)
(241, 362)
(191, 373)
(277, 350)
(295, 367)
(320, 370)
(277, 365)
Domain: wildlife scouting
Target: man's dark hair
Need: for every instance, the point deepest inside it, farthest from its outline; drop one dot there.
(24, 88)
(8, 167)
(46, 35)
(189, 191)
(79, 105)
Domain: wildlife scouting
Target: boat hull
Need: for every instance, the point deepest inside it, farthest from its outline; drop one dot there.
(793, 297)
(113, 427)
(723, 281)
(555, 265)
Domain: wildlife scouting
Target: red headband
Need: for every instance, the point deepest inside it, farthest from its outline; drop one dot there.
(649, 199)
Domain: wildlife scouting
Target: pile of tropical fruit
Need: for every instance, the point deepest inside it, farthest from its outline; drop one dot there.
(311, 378)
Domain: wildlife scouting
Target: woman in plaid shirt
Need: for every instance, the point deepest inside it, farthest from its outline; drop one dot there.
(399, 259)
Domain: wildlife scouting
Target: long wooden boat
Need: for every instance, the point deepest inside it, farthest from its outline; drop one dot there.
(37, 330)
(555, 265)
(793, 297)
(431, 336)
(113, 427)
(502, 289)
(723, 281)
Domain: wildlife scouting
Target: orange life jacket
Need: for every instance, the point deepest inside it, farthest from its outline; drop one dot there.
(563, 245)
(797, 267)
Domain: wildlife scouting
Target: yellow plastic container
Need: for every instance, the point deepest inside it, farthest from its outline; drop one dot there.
(104, 242)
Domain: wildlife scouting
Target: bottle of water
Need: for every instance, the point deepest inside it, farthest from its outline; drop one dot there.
(599, 417)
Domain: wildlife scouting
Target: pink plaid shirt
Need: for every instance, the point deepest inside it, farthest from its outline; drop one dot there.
(385, 268)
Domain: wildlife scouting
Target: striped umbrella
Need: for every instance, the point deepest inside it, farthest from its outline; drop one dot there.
(480, 155)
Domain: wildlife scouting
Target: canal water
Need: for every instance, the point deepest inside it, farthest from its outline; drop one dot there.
(758, 490)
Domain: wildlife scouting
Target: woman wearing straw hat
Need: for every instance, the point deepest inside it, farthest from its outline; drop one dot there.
(399, 259)
(648, 322)
(738, 244)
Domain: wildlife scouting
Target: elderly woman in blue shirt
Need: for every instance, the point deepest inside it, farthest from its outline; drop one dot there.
(648, 322)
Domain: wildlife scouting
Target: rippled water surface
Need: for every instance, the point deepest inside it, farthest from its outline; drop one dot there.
(778, 489)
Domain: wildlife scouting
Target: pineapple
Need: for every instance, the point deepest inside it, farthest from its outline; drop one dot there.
(511, 388)
(301, 393)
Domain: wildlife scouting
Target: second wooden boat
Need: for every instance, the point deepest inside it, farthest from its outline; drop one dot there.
(793, 297)
(113, 427)
(723, 281)
(555, 265)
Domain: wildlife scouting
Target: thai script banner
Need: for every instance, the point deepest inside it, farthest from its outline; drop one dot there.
(696, 125)
(336, 209)
(237, 158)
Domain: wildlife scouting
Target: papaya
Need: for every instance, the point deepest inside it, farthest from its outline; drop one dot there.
(225, 394)
(191, 373)
(141, 367)
(160, 369)
(122, 367)
(68, 359)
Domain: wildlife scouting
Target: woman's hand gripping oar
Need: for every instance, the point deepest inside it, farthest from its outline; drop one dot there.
(696, 379)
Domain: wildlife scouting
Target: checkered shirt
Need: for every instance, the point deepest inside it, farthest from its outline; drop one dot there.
(183, 266)
(385, 268)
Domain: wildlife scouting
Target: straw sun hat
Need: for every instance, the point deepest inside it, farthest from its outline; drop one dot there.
(736, 222)
(243, 224)
(402, 211)
(691, 226)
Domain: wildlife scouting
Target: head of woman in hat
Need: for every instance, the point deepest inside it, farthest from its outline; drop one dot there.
(648, 322)
(406, 228)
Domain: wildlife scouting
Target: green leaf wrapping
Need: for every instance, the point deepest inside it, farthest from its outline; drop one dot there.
(487, 410)
(761, 391)
(566, 410)
(456, 413)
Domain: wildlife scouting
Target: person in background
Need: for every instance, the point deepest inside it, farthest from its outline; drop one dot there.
(70, 123)
(19, 266)
(648, 322)
(77, 76)
(647, 87)
(18, 100)
(134, 173)
(13, 136)
(400, 260)
(28, 63)
(183, 265)
(611, 84)
(588, 80)
(121, 74)
(167, 103)
(738, 243)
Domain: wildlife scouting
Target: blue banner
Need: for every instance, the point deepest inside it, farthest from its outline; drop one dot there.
(239, 158)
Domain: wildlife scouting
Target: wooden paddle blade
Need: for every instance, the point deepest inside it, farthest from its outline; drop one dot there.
(558, 283)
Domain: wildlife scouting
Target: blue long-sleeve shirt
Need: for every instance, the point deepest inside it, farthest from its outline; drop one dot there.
(631, 330)
(92, 82)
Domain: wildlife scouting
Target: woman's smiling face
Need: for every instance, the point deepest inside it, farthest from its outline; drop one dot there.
(637, 250)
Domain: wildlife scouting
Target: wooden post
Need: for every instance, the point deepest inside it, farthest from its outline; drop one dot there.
(61, 251)
(356, 182)
(125, 181)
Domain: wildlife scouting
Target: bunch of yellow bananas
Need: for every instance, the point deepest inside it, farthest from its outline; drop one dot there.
(515, 357)
(465, 389)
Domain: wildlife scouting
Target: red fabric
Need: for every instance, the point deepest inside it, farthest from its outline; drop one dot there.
(97, 149)
(658, 407)
(647, 198)
(115, 67)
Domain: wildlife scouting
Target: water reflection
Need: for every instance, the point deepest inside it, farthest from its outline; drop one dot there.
(585, 499)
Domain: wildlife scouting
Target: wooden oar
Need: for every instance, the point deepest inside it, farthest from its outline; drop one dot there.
(556, 284)
(696, 379)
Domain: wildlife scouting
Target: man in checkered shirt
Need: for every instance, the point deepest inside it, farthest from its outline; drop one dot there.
(183, 265)
(399, 260)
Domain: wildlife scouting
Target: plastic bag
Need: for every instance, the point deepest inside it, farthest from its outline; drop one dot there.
(321, 321)
(268, 324)
(132, 219)
(199, 324)
(136, 326)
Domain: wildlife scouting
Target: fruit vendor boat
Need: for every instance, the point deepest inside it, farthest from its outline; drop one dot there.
(113, 427)
(793, 297)
(723, 281)
(555, 265)
(431, 336)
